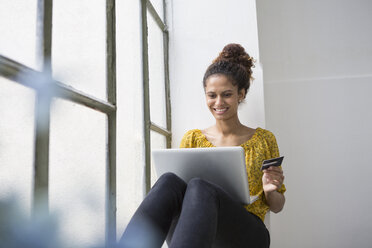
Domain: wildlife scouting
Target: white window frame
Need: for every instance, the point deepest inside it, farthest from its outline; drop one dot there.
(146, 5)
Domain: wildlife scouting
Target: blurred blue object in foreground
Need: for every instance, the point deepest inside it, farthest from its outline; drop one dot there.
(20, 231)
(17, 230)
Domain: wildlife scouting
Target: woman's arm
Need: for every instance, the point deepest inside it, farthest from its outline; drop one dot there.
(275, 200)
(272, 181)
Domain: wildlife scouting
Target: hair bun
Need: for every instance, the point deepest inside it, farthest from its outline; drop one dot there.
(235, 53)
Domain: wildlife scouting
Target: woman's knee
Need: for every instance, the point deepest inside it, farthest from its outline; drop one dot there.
(199, 183)
(170, 180)
(169, 177)
(201, 188)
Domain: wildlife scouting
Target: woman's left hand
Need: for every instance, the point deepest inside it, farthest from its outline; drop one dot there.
(272, 179)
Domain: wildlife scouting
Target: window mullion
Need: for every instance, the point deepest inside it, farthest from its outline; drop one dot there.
(146, 95)
(111, 132)
(42, 111)
(22, 75)
(160, 130)
(167, 81)
(154, 14)
(44, 35)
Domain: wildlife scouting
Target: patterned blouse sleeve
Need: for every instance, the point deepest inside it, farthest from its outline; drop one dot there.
(187, 140)
(273, 146)
(274, 150)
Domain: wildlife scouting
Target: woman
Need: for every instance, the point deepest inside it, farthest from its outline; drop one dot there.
(201, 214)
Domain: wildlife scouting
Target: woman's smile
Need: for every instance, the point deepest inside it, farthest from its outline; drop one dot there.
(220, 111)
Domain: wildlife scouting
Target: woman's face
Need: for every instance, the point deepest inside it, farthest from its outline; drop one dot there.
(222, 97)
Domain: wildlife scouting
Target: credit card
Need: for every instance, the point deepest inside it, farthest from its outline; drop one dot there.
(271, 162)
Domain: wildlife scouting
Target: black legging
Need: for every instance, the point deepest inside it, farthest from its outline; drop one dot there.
(203, 215)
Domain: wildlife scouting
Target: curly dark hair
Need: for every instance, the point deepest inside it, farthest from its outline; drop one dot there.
(234, 63)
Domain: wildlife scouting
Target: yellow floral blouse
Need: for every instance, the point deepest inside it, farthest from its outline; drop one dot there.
(260, 147)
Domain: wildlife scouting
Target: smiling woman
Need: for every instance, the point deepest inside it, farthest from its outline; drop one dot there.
(226, 83)
(199, 213)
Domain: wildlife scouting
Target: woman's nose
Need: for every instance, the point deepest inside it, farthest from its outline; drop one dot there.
(218, 100)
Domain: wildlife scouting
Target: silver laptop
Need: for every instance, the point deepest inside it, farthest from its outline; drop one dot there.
(224, 166)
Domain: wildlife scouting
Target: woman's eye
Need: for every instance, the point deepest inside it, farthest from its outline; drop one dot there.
(227, 94)
(211, 96)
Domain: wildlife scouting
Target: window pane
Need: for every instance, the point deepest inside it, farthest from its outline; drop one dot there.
(16, 142)
(158, 5)
(130, 145)
(158, 141)
(77, 173)
(18, 31)
(78, 50)
(156, 74)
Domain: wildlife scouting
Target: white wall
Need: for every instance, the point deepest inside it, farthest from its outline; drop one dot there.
(317, 79)
(198, 32)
